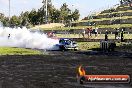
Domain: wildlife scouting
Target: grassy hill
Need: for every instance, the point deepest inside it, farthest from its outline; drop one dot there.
(116, 17)
(120, 16)
(49, 26)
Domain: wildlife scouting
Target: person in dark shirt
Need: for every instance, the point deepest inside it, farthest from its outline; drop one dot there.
(122, 35)
(9, 36)
(116, 34)
(88, 32)
(106, 35)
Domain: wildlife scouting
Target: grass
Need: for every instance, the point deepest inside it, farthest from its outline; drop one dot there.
(51, 26)
(96, 45)
(64, 28)
(18, 51)
(81, 27)
(115, 26)
(88, 45)
(104, 26)
(122, 47)
(78, 27)
(100, 36)
(119, 12)
(96, 20)
(114, 18)
(105, 19)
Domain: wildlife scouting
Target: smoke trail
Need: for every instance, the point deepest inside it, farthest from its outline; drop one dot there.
(23, 38)
(1, 24)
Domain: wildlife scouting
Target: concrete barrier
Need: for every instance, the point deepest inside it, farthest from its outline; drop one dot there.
(98, 40)
(107, 46)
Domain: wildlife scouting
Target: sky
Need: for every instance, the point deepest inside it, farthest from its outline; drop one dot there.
(85, 6)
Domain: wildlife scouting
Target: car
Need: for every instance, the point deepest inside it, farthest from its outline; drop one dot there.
(67, 44)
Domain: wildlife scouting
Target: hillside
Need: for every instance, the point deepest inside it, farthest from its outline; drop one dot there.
(109, 19)
(49, 26)
(118, 17)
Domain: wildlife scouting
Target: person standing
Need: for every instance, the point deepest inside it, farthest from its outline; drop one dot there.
(83, 33)
(122, 35)
(88, 32)
(106, 35)
(96, 32)
(116, 33)
(9, 36)
(91, 30)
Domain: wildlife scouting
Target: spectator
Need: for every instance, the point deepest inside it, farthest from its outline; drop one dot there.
(106, 35)
(9, 36)
(116, 33)
(91, 32)
(83, 33)
(122, 35)
(96, 32)
(79, 34)
(88, 32)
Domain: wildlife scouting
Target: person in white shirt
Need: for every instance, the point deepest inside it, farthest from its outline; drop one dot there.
(83, 32)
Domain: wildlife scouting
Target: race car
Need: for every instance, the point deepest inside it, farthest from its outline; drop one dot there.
(67, 44)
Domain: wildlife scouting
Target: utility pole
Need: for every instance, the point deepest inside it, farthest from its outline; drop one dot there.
(45, 7)
(9, 12)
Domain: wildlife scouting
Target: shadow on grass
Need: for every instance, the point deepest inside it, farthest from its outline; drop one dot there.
(95, 49)
(99, 52)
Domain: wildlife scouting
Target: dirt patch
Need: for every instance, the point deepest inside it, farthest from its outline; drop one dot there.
(58, 70)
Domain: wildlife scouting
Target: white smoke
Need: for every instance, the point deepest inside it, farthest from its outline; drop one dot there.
(1, 24)
(23, 38)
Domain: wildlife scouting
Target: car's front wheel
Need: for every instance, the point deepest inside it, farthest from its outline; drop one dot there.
(75, 49)
(62, 48)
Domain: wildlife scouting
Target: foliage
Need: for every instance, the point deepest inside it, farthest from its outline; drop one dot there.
(14, 21)
(76, 15)
(37, 17)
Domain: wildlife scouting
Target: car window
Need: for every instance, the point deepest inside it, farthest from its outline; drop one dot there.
(62, 41)
(68, 41)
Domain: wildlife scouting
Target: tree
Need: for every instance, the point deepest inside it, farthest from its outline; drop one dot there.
(1, 16)
(15, 21)
(75, 15)
(5, 21)
(51, 11)
(65, 11)
(55, 16)
(33, 17)
(36, 17)
(41, 15)
(24, 18)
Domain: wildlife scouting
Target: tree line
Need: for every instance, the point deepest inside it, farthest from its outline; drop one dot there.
(37, 17)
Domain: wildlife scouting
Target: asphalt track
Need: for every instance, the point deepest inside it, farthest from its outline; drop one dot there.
(58, 69)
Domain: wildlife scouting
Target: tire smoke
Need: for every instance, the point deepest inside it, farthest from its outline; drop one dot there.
(24, 38)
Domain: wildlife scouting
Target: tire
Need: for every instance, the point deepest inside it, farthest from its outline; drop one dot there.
(75, 49)
(62, 48)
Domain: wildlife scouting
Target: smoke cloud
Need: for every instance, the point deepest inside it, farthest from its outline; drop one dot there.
(24, 38)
